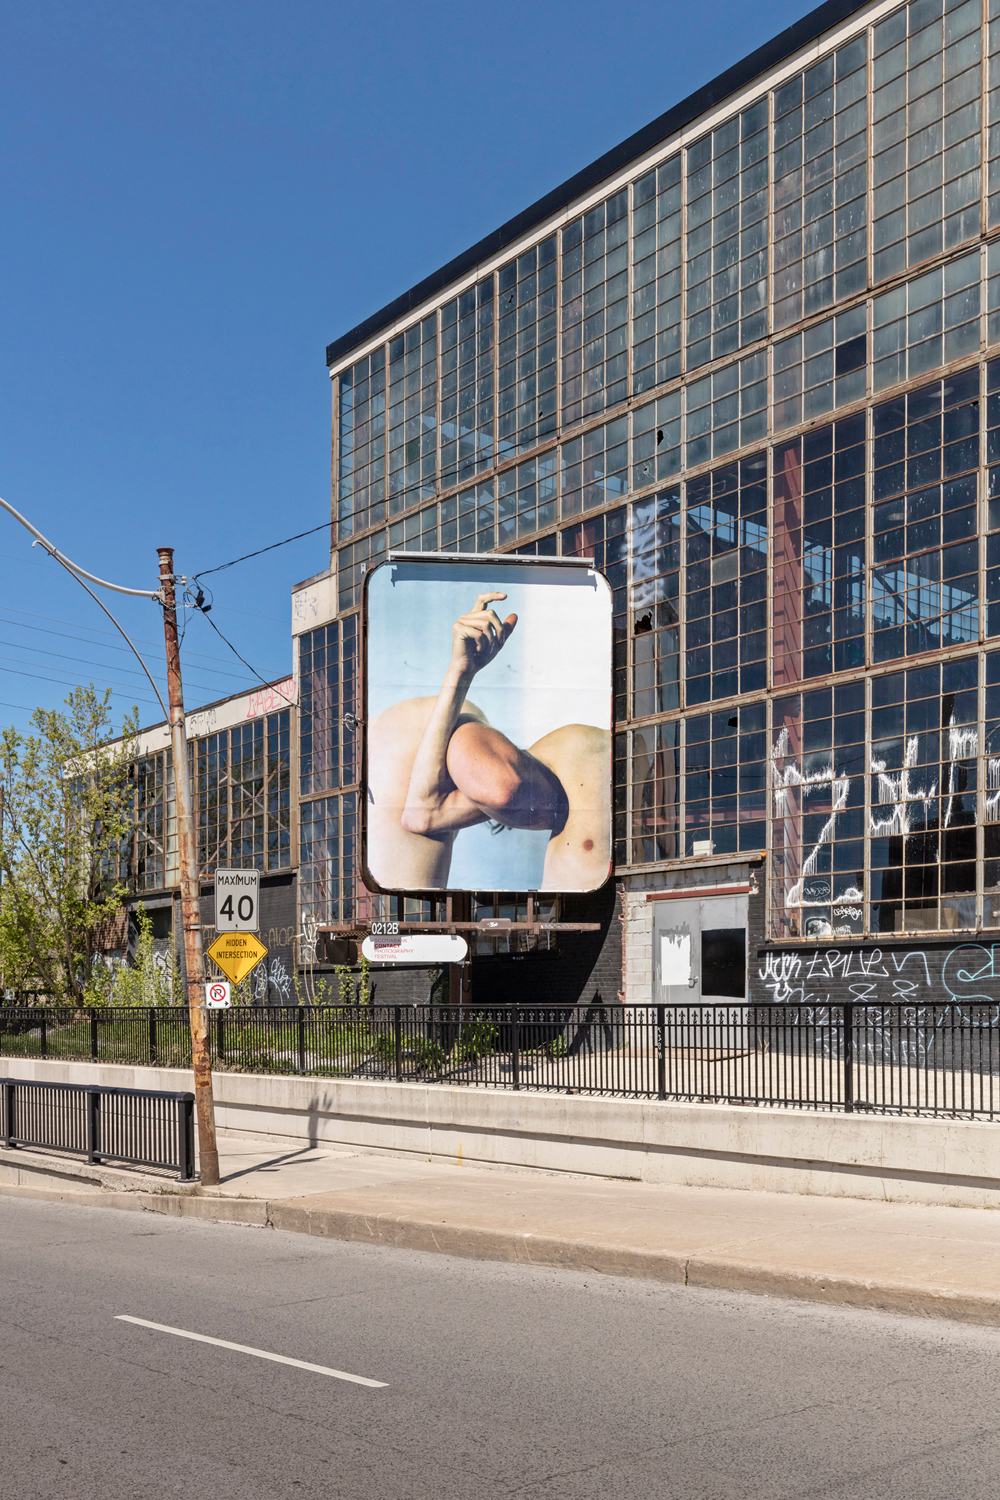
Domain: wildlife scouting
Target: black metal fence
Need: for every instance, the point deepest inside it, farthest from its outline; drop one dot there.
(143, 1127)
(940, 1059)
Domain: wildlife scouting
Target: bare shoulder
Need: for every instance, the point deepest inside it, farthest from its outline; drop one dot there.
(573, 745)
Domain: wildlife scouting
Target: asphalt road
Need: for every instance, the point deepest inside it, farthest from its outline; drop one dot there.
(500, 1381)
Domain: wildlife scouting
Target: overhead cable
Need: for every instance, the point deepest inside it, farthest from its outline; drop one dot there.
(259, 553)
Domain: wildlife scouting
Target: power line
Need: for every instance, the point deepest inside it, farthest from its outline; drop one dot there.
(259, 553)
(121, 688)
(94, 630)
(105, 646)
(232, 647)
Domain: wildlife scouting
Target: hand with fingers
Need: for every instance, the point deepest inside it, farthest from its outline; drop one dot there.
(476, 638)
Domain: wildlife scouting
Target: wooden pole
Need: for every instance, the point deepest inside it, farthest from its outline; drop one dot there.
(187, 851)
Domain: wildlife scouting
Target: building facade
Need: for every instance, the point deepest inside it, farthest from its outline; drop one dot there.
(749, 362)
(242, 752)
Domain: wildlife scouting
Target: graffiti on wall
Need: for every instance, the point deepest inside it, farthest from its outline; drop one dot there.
(968, 974)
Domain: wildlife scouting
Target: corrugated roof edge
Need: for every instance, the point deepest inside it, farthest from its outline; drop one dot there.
(800, 34)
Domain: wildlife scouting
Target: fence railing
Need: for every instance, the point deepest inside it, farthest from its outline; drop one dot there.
(939, 1059)
(143, 1127)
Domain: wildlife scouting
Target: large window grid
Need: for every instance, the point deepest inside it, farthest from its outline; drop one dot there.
(923, 798)
(927, 322)
(927, 115)
(243, 793)
(413, 394)
(992, 425)
(698, 786)
(328, 669)
(327, 862)
(993, 101)
(823, 367)
(725, 583)
(656, 441)
(361, 455)
(821, 185)
(656, 276)
(655, 601)
(527, 498)
(925, 549)
(467, 384)
(817, 859)
(727, 234)
(595, 258)
(727, 409)
(154, 855)
(595, 467)
(818, 576)
(527, 348)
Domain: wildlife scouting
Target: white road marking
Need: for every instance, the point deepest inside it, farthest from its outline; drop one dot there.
(279, 1359)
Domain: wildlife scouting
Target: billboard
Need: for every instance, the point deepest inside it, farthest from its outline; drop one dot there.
(487, 725)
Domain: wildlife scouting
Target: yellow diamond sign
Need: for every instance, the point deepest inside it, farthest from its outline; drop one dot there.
(236, 954)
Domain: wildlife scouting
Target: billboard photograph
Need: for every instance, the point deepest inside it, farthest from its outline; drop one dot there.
(488, 726)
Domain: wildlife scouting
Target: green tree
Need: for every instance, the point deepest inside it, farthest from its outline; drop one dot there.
(67, 814)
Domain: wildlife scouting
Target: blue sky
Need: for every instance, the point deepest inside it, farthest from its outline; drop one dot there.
(197, 199)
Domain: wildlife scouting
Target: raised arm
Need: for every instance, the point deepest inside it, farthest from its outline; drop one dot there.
(433, 803)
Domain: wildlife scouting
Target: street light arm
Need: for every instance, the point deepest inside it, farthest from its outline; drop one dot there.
(53, 553)
(80, 573)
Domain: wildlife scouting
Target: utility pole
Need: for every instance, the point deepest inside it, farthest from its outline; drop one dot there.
(187, 850)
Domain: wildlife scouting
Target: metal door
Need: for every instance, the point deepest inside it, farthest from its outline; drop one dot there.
(699, 959)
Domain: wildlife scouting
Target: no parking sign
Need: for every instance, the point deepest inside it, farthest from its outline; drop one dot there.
(218, 995)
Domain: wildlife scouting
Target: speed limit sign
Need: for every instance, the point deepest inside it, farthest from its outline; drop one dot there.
(237, 900)
(218, 995)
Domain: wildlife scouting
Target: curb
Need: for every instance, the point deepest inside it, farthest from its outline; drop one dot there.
(514, 1247)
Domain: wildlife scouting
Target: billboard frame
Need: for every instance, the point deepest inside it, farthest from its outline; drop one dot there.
(506, 559)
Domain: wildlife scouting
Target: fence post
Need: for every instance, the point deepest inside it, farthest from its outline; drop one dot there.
(185, 1131)
(661, 1052)
(848, 1058)
(93, 1125)
(220, 1036)
(152, 1035)
(93, 1036)
(10, 1090)
(302, 1039)
(515, 1048)
(45, 1038)
(397, 1037)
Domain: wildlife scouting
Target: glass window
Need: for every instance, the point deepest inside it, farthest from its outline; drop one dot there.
(656, 276)
(595, 467)
(412, 424)
(727, 176)
(930, 321)
(467, 384)
(821, 369)
(727, 410)
(725, 796)
(656, 440)
(820, 185)
(361, 445)
(923, 798)
(527, 346)
(595, 310)
(819, 553)
(817, 873)
(527, 498)
(926, 123)
(925, 551)
(655, 603)
(725, 582)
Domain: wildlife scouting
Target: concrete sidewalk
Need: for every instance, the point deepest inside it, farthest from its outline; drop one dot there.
(934, 1262)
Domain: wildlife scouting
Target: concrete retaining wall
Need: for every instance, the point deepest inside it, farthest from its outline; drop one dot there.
(856, 1156)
